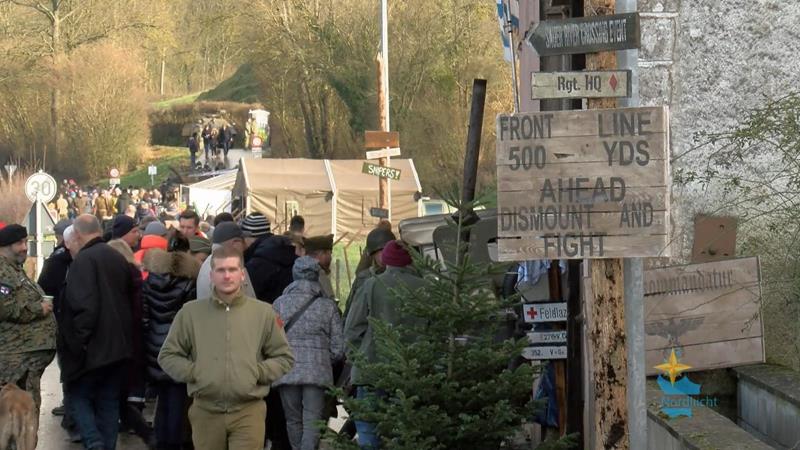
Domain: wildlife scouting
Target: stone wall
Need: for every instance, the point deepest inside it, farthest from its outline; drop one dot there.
(711, 62)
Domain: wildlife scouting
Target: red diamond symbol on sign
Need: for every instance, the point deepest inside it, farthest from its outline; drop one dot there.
(613, 82)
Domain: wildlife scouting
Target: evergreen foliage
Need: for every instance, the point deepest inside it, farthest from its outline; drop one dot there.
(449, 380)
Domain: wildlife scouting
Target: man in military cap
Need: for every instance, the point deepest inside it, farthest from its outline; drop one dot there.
(27, 324)
(372, 264)
(321, 249)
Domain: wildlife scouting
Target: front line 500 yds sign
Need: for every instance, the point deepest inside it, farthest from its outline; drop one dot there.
(583, 184)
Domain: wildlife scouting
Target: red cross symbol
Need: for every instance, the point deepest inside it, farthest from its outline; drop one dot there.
(532, 313)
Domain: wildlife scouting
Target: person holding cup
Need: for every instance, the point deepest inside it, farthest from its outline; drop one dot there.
(27, 323)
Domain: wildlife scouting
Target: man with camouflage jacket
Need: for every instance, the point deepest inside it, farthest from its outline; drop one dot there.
(27, 324)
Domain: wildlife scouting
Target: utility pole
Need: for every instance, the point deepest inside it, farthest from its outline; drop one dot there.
(384, 184)
(607, 327)
(163, 68)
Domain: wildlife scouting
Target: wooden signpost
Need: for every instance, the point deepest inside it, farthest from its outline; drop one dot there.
(586, 34)
(583, 184)
(384, 144)
(709, 312)
(596, 84)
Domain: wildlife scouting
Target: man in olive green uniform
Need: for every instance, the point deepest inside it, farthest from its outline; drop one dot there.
(27, 324)
(378, 300)
(376, 240)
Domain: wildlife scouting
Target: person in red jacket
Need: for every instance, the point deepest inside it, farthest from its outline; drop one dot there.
(155, 236)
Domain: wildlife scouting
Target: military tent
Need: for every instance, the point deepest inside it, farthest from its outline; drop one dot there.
(333, 196)
(281, 188)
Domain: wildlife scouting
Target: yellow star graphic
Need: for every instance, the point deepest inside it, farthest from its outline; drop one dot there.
(672, 368)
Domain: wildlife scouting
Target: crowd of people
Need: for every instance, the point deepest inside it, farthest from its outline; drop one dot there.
(235, 331)
(106, 203)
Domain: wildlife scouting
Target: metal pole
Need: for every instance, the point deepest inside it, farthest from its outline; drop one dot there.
(472, 153)
(385, 55)
(39, 237)
(509, 32)
(633, 283)
(385, 81)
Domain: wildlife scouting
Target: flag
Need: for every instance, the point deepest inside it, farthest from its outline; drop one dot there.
(502, 18)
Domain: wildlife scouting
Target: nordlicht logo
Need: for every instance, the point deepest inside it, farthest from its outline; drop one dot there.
(676, 400)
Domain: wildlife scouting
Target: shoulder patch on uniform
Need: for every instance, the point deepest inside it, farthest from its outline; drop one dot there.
(5, 289)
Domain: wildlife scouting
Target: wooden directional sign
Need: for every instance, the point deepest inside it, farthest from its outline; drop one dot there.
(383, 153)
(548, 352)
(583, 184)
(380, 213)
(548, 337)
(710, 313)
(381, 139)
(611, 83)
(544, 312)
(586, 34)
(381, 171)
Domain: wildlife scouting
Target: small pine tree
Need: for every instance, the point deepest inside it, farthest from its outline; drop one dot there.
(448, 380)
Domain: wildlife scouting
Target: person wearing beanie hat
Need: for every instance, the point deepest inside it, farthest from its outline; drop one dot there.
(27, 325)
(256, 224)
(125, 228)
(155, 236)
(378, 300)
(256, 229)
(395, 254)
(226, 234)
(371, 263)
(315, 336)
(155, 228)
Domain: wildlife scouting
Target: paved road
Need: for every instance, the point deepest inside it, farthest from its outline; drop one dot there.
(52, 436)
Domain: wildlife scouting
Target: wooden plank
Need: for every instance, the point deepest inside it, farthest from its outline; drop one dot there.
(383, 153)
(639, 121)
(654, 174)
(586, 84)
(742, 271)
(381, 139)
(381, 171)
(701, 305)
(715, 355)
(608, 199)
(624, 152)
(576, 247)
(586, 34)
(524, 224)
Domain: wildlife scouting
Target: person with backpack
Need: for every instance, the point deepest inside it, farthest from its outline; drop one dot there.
(313, 326)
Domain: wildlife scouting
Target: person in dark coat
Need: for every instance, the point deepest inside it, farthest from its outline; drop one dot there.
(172, 282)
(269, 258)
(95, 338)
